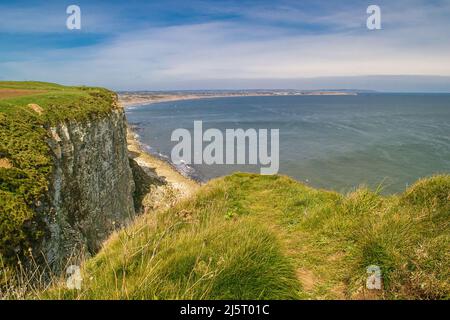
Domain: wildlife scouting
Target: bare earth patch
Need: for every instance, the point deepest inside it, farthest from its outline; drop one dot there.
(36, 108)
(11, 93)
(307, 279)
(5, 163)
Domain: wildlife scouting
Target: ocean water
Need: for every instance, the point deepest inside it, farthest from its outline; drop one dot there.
(384, 141)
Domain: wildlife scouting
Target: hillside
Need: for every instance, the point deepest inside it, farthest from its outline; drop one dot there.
(269, 237)
(55, 143)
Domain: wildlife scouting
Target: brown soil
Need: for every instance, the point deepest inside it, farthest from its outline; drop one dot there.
(5, 163)
(11, 93)
(36, 108)
(307, 279)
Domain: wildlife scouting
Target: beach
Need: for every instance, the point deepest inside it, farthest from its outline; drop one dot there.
(164, 170)
(136, 99)
(173, 187)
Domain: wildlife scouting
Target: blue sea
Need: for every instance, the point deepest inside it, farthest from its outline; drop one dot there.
(384, 141)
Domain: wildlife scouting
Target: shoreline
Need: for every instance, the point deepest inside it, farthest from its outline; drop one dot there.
(145, 101)
(174, 184)
(182, 184)
(135, 100)
(161, 167)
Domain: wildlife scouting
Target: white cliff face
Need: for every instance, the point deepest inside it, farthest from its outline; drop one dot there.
(91, 192)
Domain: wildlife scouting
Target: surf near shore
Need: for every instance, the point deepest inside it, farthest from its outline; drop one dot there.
(180, 178)
(171, 185)
(172, 180)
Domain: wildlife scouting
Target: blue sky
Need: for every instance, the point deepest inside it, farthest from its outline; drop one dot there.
(229, 44)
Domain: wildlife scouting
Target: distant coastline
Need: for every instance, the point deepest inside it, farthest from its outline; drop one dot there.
(128, 99)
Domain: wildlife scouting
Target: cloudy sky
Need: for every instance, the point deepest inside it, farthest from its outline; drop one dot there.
(190, 44)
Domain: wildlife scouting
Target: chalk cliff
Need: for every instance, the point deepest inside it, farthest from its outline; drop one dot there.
(91, 189)
(65, 176)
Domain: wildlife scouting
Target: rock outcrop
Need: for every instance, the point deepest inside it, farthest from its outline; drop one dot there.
(91, 189)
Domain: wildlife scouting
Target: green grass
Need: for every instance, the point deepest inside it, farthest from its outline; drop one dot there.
(244, 236)
(269, 237)
(32, 85)
(23, 135)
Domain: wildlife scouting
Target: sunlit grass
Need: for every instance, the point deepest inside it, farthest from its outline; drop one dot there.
(253, 237)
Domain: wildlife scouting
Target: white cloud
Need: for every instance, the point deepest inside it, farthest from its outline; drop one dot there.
(237, 50)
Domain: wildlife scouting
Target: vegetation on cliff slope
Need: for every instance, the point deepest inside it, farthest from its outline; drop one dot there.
(254, 237)
(27, 110)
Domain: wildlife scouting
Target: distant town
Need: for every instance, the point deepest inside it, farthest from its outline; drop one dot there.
(128, 98)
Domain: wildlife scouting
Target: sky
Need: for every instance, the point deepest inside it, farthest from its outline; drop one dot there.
(234, 44)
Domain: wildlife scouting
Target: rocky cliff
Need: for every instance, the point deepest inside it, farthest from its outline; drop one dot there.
(91, 189)
(65, 177)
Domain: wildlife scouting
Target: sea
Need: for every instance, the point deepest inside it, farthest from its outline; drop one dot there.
(385, 141)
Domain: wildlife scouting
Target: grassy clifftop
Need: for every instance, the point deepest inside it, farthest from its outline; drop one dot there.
(27, 110)
(244, 236)
(257, 237)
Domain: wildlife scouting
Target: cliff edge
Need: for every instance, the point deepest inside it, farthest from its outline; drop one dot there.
(65, 177)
